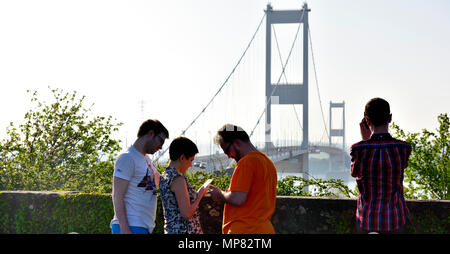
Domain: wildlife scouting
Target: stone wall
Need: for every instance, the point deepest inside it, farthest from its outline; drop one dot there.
(308, 215)
(63, 212)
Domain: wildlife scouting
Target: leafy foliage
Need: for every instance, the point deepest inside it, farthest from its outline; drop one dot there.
(427, 175)
(56, 214)
(220, 179)
(58, 147)
(298, 186)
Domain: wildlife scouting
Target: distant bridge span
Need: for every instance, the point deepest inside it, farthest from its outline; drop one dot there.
(286, 159)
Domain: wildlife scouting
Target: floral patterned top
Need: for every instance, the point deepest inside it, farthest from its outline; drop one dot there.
(173, 221)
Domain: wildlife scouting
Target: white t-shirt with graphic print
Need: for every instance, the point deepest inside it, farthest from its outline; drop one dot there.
(140, 202)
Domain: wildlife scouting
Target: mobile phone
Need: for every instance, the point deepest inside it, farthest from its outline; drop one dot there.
(366, 125)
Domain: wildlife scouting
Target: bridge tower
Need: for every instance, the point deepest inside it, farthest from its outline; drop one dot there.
(287, 93)
(338, 132)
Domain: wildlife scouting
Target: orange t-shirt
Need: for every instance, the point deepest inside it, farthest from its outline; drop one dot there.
(256, 175)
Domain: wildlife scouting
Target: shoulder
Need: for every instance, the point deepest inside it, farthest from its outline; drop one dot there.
(255, 160)
(359, 144)
(403, 146)
(170, 174)
(125, 159)
(178, 184)
(251, 159)
(255, 156)
(393, 142)
(124, 166)
(401, 142)
(179, 180)
(124, 156)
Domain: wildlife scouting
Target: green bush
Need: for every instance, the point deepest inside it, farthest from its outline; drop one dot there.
(220, 179)
(59, 146)
(428, 173)
(299, 186)
(58, 213)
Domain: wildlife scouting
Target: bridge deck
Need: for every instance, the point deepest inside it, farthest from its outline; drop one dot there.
(285, 158)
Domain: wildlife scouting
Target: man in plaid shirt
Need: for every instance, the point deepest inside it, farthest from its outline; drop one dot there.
(378, 163)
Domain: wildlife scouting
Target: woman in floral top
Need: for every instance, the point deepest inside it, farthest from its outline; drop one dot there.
(179, 199)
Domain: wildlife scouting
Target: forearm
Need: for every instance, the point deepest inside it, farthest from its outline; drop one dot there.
(179, 187)
(121, 213)
(233, 198)
(192, 208)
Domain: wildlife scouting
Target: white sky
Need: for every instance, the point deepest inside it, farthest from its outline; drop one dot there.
(174, 55)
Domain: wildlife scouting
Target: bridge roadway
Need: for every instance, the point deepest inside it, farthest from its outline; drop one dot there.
(286, 159)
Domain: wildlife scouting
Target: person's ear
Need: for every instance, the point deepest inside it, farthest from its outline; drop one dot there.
(237, 143)
(150, 134)
(390, 118)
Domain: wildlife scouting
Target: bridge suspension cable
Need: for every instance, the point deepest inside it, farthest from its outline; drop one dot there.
(284, 74)
(317, 81)
(221, 87)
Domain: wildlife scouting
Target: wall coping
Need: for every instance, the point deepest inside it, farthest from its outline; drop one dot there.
(281, 197)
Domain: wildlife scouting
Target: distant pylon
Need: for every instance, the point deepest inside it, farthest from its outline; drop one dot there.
(338, 132)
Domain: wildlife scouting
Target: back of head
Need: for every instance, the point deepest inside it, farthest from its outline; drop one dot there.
(378, 111)
(152, 124)
(182, 146)
(230, 132)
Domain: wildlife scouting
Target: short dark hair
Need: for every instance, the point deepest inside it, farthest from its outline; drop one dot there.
(229, 132)
(378, 111)
(182, 146)
(152, 124)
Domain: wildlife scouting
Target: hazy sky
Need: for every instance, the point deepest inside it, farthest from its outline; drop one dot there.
(175, 54)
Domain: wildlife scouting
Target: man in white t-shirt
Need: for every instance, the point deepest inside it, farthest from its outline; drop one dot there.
(135, 181)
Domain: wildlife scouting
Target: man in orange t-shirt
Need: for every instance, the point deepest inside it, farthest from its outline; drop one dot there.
(250, 198)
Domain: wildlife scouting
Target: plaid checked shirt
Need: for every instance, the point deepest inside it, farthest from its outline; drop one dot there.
(378, 165)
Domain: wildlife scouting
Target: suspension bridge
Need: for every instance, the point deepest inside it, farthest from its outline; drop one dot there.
(271, 102)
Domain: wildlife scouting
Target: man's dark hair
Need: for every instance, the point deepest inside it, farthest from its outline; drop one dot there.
(182, 145)
(152, 124)
(378, 111)
(229, 132)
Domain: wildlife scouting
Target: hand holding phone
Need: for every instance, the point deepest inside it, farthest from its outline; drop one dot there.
(365, 130)
(365, 124)
(204, 188)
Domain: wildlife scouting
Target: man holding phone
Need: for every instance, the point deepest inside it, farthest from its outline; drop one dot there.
(250, 198)
(378, 163)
